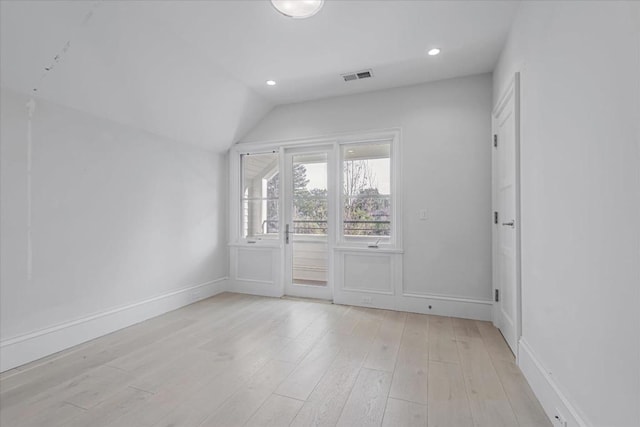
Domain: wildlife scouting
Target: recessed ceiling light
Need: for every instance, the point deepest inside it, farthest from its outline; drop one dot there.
(271, 82)
(298, 9)
(434, 51)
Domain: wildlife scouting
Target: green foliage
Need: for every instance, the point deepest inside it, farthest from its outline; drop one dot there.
(366, 211)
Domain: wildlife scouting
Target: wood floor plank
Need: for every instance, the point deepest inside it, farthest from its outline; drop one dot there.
(410, 374)
(368, 398)
(46, 412)
(196, 360)
(324, 405)
(347, 322)
(489, 404)
(385, 347)
(277, 411)
(200, 405)
(526, 406)
(465, 328)
(448, 402)
(210, 308)
(84, 391)
(239, 408)
(297, 349)
(138, 353)
(153, 372)
(94, 387)
(365, 330)
(494, 342)
(247, 325)
(109, 412)
(188, 399)
(299, 319)
(192, 362)
(247, 360)
(39, 380)
(442, 340)
(212, 319)
(304, 379)
(306, 376)
(307, 339)
(406, 414)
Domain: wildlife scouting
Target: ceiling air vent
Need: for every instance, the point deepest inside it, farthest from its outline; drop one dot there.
(358, 75)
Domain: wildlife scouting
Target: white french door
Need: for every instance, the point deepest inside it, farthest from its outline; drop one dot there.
(309, 185)
(506, 231)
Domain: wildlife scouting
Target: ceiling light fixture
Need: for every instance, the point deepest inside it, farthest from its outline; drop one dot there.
(271, 82)
(298, 9)
(434, 51)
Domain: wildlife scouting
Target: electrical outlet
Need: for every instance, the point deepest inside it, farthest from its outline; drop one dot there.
(367, 300)
(559, 420)
(422, 215)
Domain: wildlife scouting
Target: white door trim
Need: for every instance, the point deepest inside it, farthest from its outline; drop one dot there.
(512, 91)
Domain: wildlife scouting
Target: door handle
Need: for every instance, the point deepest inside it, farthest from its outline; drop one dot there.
(511, 223)
(286, 234)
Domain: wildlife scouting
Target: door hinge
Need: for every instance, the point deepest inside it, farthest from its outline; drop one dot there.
(497, 295)
(495, 141)
(495, 217)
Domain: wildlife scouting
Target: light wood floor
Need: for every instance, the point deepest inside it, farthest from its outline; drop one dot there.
(236, 360)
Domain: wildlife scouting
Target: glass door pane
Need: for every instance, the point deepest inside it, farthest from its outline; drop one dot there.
(309, 191)
(309, 218)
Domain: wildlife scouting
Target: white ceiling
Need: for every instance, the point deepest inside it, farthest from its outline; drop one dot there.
(195, 71)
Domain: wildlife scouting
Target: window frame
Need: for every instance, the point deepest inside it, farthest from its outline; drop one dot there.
(394, 241)
(392, 136)
(237, 180)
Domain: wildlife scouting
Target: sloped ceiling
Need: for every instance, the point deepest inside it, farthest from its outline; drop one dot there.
(195, 71)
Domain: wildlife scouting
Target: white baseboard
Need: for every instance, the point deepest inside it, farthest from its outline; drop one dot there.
(554, 402)
(438, 305)
(26, 348)
(465, 308)
(425, 304)
(254, 287)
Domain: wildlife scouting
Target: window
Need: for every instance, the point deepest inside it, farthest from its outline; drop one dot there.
(366, 188)
(260, 195)
(343, 191)
(310, 202)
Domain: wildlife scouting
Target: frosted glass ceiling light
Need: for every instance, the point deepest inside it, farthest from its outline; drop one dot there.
(298, 9)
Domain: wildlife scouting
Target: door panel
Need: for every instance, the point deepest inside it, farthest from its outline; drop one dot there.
(506, 203)
(307, 222)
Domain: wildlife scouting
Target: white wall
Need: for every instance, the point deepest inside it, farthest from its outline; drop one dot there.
(580, 64)
(446, 167)
(119, 216)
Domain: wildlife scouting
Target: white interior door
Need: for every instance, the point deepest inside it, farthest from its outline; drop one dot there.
(506, 235)
(309, 191)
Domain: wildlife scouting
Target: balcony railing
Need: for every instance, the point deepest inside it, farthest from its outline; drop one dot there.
(351, 227)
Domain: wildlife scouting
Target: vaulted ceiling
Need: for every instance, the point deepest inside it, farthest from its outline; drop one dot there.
(195, 71)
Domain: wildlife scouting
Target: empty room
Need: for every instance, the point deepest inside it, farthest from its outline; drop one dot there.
(319, 213)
